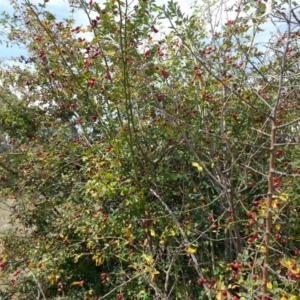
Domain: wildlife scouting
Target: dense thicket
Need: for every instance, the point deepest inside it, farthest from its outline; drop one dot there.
(151, 163)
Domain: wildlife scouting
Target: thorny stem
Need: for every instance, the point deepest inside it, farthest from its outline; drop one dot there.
(268, 222)
(184, 236)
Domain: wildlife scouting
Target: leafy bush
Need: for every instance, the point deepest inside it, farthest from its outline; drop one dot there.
(148, 163)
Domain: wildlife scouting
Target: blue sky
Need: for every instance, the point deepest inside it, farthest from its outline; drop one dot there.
(60, 8)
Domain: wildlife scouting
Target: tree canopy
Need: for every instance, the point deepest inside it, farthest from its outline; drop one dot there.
(151, 154)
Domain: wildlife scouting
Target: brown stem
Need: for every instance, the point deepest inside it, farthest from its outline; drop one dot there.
(268, 216)
(184, 236)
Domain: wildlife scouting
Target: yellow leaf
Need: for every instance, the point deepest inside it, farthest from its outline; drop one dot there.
(76, 257)
(142, 292)
(127, 233)
(277, 227)
(188, 225)
(241, 280)
(284, 197)
(288, 263)
(153, 273)
(288, 297)
(152, 232)
(52, 278)
(172, 232)
(219, 296)
(261, 247)
(110, 52)
(274, 203)
(224, 46)
(98, 259)
(295, 270)
(269, 285)
(81, 283)
(199, 168)
(191, 249)
(233, 286)
(148, 259)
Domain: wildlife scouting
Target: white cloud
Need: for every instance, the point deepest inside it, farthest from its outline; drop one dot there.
(61, 9)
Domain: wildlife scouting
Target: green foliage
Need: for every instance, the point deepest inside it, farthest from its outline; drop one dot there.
(149, 164)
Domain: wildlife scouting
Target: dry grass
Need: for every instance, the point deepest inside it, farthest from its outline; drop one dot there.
(4, 214)
(4, 226)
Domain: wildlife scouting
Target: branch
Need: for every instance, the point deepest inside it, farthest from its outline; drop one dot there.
(185, 239)
(40, 291)
(117, 287)
(287, 124)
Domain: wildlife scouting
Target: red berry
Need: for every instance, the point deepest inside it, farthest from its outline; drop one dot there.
(108, 149)
(201, 280)
(91, 82)
(214, 226)
(237, 265)
(119, 296)
(249, 214)
(251, 222)
(229, 220)
(154, 29)
(147, 54)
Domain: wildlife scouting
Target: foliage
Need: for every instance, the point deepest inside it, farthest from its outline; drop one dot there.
(148, 163)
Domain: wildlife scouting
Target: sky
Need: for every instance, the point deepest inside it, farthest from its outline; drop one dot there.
(60, 8)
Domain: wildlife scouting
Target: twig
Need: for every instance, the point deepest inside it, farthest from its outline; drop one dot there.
(117, 287)
(185, 239)
(40, 290)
